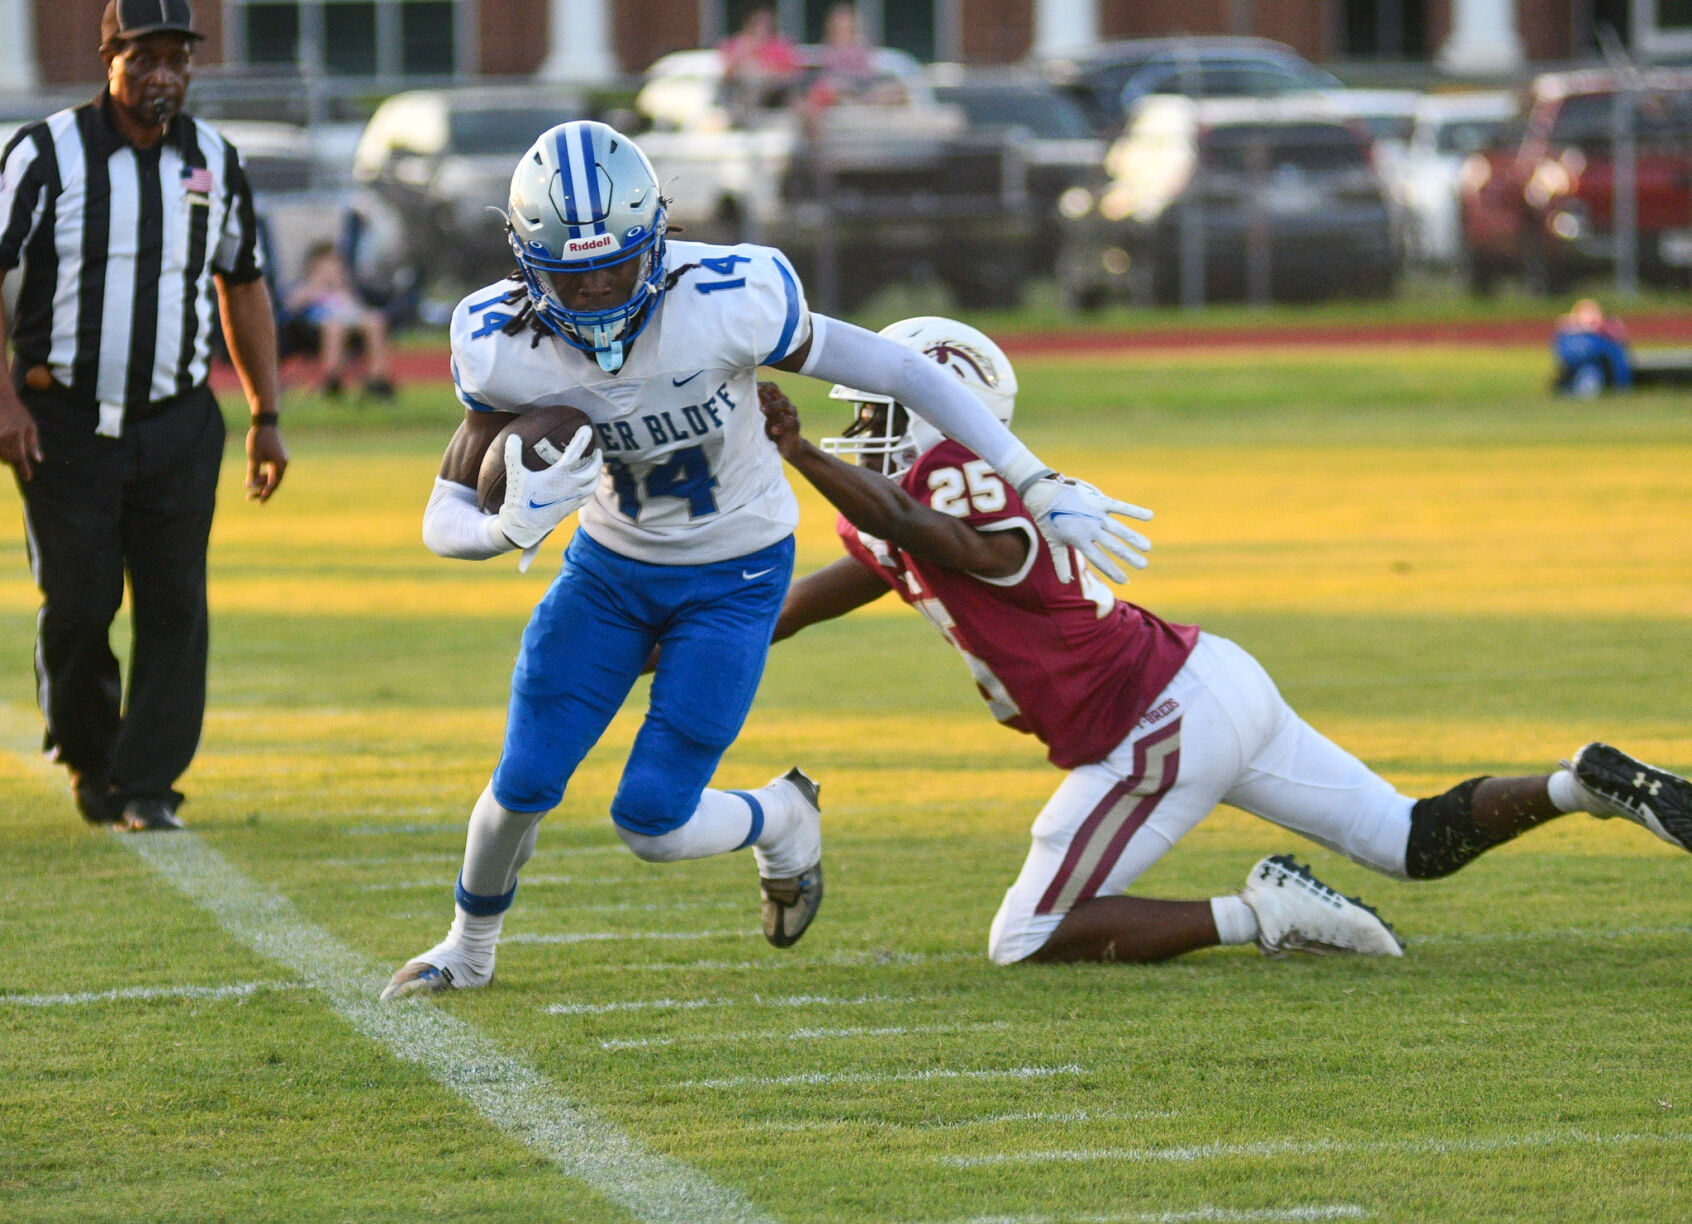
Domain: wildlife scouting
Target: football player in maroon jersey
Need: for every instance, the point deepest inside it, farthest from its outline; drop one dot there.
(1154, 723)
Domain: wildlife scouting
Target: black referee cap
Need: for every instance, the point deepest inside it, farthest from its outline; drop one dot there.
(126, 19)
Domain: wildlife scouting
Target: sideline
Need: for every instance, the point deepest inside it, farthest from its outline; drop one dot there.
(508, 1092)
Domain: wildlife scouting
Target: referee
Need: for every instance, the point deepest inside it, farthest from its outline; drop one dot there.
(125, 216)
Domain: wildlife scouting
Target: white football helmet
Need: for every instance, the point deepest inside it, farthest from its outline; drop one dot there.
(896, 436)
(584, 197)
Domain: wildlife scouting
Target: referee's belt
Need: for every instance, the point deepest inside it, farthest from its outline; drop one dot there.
(39, 378)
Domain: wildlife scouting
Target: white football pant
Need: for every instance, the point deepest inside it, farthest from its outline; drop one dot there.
(1220, 733)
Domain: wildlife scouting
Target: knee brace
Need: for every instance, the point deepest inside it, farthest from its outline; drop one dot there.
(1444, 835)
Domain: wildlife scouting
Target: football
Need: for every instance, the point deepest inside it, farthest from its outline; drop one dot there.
(545, 433)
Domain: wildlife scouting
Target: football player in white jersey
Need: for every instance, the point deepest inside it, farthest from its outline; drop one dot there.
(686, 533)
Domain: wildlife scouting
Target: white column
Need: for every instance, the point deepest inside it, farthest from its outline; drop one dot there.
(18, 73)
(579, 37)
(1065, 25)
(1483, 38)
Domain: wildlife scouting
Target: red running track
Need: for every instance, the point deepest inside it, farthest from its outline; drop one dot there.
(431, 366)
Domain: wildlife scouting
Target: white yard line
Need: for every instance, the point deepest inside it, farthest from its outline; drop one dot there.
(1194, 1215)
(1552, 933)
(236, 990)
(812, 1078)
(576, 937)
(384, 860)
(601, 1009)
(507, 1091)
(1275, 1149)
(445, 885)
(804, 1034)
(854, 960)
(1073, 1115)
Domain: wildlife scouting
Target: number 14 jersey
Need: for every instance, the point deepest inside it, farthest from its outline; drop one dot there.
(1066, 662)
(690, 477)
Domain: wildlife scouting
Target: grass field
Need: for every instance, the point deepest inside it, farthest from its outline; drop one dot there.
(1447, 571)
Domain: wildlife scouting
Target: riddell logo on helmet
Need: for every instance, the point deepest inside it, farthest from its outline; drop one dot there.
(587, 246)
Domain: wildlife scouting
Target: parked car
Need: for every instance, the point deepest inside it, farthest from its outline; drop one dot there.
(442, 160)
(1448, 129)
(890, 185)
(1108, 78)
(1542, 204)
(1276, 195)
(1388, 114)
(1057, 145)
(724, 165)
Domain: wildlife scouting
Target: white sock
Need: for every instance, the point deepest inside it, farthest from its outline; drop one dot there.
(718, 825)
(498, 842)
(1565, 790)
(1235, 923)
(477, 937)
(781, 814)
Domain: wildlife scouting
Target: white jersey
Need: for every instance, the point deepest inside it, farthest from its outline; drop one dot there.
(690, 477)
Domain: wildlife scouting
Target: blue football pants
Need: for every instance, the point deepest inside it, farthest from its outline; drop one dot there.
(585, 646)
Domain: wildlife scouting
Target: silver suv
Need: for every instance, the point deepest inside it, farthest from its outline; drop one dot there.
(1267, 198)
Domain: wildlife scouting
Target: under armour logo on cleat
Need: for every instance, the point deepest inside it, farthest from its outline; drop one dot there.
(1642, 783)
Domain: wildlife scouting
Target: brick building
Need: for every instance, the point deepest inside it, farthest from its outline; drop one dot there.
(50, 43)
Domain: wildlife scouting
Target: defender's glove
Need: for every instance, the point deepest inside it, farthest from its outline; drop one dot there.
(1071, 513)
(536, 502)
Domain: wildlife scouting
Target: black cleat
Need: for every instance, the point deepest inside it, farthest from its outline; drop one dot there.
(1616, 784)
(150, 816)
(94, 800)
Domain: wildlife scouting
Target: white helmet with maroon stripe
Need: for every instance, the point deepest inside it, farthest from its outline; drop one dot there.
(893, 435)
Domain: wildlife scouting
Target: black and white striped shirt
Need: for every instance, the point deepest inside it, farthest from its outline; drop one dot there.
(118, 246)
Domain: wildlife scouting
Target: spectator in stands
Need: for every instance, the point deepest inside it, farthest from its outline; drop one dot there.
(327, 299)
(1591, 352)
(759, 65)
(848, 67)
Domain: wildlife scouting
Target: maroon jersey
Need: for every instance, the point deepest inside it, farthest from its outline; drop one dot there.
(1067, 662)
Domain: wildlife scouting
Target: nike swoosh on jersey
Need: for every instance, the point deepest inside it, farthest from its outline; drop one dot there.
(759, 574)
(678, 382)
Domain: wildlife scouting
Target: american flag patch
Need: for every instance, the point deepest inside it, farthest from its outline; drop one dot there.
(198, 179)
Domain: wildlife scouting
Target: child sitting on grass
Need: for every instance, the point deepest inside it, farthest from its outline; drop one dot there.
(327, 299)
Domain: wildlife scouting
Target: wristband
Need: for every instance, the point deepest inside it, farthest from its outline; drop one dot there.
(1029, 482)
(266, 418)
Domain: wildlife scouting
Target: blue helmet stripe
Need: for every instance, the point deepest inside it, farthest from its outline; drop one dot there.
(592, 173)
(567, 173)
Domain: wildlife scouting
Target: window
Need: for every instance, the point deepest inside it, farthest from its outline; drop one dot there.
(353, 38)
(426, 38)
(272, 33)
(349, 39)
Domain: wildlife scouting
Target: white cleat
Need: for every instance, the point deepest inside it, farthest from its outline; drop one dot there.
(440, 968)
(1611, 783)
(1297, 912)
(791, 899)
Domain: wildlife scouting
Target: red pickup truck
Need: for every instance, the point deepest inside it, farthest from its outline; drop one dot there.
(1542, 204)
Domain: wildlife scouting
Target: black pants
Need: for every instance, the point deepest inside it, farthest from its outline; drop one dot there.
(96, 509)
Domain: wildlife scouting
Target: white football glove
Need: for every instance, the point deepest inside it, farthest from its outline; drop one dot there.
(1071, 513)
(536, 502)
